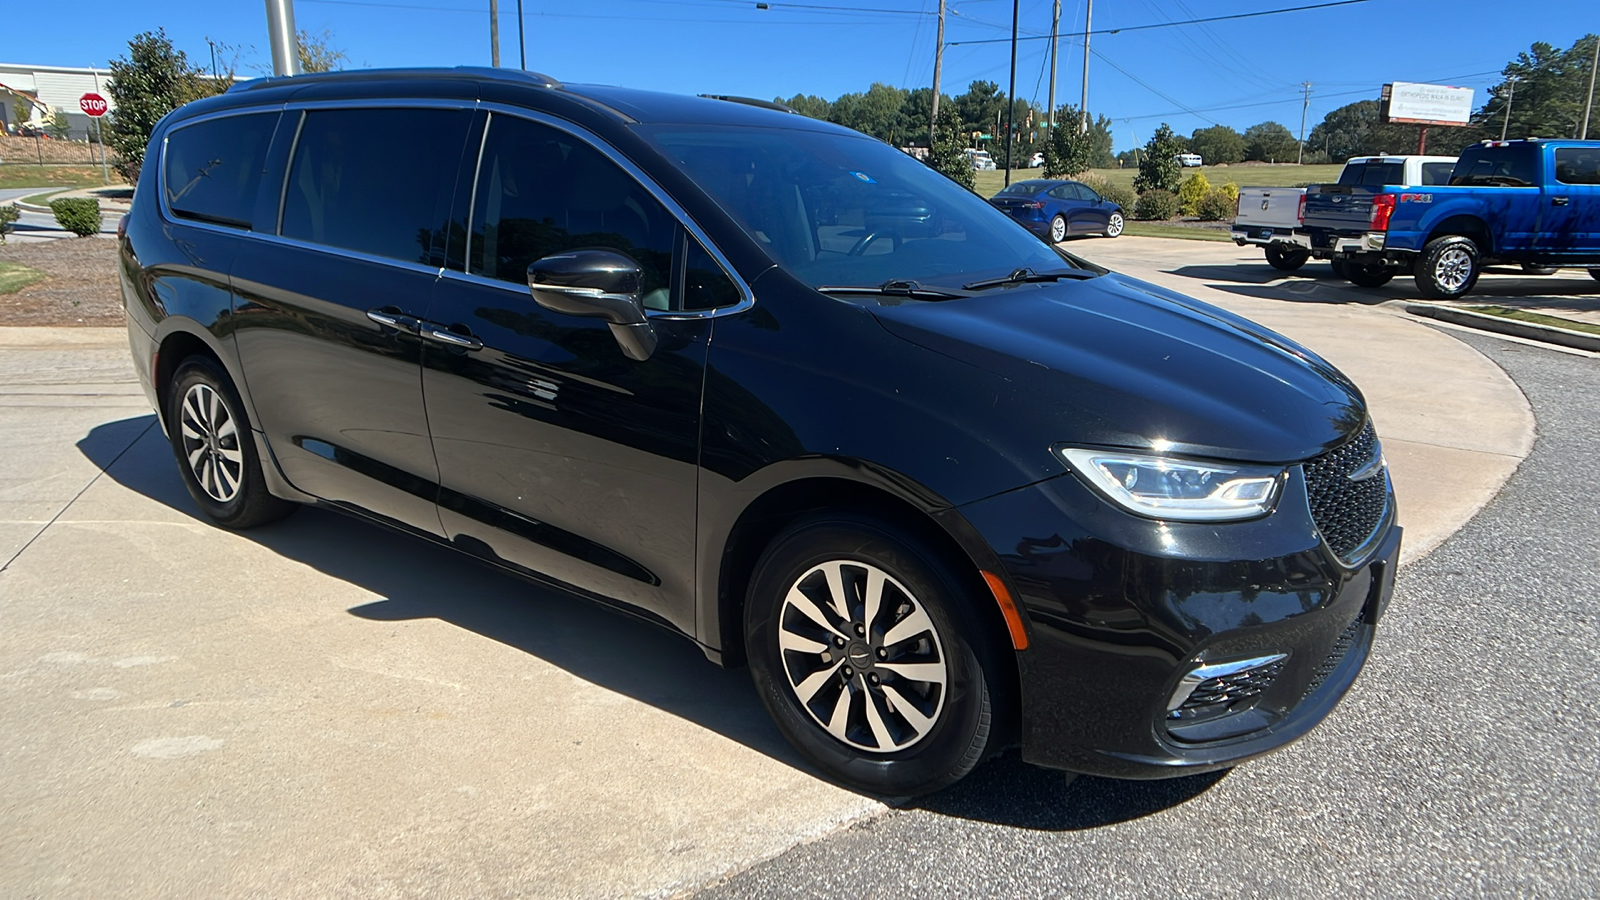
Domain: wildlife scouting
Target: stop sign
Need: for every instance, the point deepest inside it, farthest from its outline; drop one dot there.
(92, 104)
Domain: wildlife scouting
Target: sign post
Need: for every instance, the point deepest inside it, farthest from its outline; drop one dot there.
(94, 106)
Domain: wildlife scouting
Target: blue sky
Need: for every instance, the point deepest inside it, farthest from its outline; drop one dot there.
(1235, 73)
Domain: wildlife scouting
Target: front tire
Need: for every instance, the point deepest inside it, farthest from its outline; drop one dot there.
(865, 649)
(216, 455)
(1286, 260)
(1448, 267)
(1058, 229)
(1115, 224)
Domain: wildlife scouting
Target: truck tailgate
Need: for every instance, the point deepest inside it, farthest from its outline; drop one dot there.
(1339, 207)
(1273, 208)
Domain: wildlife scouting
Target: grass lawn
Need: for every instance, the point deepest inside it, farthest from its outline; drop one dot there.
(1165, 230)
(1536, 318)
(15, 175)
(15, 276)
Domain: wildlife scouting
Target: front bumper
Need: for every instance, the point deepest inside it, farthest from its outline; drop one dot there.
(1121, 608)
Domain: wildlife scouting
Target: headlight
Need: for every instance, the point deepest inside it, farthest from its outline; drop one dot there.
(1179, 490)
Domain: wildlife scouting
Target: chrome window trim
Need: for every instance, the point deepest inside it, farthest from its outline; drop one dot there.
(348, 254)
(472, 198)
(288, 166)
(167, 215)
(747, 297)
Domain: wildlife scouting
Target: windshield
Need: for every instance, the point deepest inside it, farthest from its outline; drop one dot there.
(836, 209)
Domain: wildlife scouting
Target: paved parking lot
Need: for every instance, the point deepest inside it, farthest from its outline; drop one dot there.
(321, 706)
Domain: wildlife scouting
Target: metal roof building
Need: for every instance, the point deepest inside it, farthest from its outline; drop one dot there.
(41, 90)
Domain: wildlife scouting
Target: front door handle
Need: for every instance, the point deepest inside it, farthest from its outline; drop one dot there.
(389, 317)
(450, 338)
(1560, 201)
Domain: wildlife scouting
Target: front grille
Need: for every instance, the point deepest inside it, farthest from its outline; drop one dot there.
(1227, 692)
(1346, 640)
(1347, 512)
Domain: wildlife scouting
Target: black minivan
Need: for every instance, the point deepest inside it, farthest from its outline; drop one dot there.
(778, 387)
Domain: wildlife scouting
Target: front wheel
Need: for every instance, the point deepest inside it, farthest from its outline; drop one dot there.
(1058, 229)
(1448, 267)
(1366, 276)
(216, 456)
(1286, 259)
(865, 650)
(1114, 225)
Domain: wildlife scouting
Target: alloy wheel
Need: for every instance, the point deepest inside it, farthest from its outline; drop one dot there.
(1058, 229)
(211, 443)
(1114, 225)
(862, 656)
(1452, 269)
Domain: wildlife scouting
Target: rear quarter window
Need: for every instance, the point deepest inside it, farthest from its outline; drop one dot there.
(1578, 165)
(1437, 172)
(211, 170)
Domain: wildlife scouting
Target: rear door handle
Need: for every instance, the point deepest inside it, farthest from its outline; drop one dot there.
(450, 338)
(1560, 201)
(389, 317)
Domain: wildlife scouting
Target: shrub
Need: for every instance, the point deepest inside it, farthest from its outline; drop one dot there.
(8, 219)
(1191, 192)
(1232, 190)
(1216, 205)
(947, 154)
(79, 215)
(1156, 204)
(1115, 193)
(1158, 168)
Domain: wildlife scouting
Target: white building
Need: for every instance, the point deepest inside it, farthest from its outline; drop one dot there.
(30, 93)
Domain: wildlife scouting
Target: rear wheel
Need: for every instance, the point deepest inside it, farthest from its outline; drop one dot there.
(1337, 265)
(1058, 229)
(865, 650)
(1367, 276)
(1114, 224)
(1286, 259)
(1531, 269)
(216, 456)
(1447, 267)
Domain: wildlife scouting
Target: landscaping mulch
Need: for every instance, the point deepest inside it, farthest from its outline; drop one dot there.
(81, 289)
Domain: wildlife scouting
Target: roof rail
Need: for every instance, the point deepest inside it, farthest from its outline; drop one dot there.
(751, 101)
(484, 72)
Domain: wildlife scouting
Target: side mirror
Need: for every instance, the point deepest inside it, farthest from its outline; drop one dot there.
(596, 284)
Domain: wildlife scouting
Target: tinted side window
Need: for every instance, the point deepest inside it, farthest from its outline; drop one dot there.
(1437, 172)
(372, 180)
(1578, 165)
(542, 191)
(705, 285)
(211, 169)
(1513, 166)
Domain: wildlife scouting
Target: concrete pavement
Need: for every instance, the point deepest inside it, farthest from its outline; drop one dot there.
(321, 706)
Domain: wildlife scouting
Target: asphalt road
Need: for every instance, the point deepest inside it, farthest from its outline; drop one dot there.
(1463, 763)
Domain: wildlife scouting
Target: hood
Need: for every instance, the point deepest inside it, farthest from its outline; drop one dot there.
(1117, 362)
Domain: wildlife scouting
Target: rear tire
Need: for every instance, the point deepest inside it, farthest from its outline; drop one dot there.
(893, 696)
(1531, 269)
(1448, 267)
(216, 454)
(1285, 260)
(1367, 276)
(1337, 265)
(1115, 224)
(1058, 229)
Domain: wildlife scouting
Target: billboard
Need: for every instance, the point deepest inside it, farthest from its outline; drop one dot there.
(1425, 104)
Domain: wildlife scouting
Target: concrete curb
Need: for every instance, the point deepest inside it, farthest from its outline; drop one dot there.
(34, 207)
(1549, 334)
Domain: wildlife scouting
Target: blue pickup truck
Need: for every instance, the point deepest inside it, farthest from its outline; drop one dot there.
(1534, 203)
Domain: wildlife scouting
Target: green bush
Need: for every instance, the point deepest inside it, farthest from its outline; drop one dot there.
(79, 215)
(8, 219)
(1216, 205)
(948, 155)
(1232, 190)
(1190, 193)
(1156, 205)
(1115, 193)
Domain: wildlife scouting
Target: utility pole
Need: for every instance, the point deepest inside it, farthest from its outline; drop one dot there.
(1011, 91)
(938, 62)
(1511, 94)
(1088, 26)
(494, 33)
(1300, 160)
(1588, 101)
(1055, 27)
(522, 41)
(281, 33)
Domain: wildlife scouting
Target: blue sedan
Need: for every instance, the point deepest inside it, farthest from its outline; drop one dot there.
(1056, 209)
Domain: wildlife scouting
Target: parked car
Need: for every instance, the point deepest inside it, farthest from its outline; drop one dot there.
(981, 160)
(1264, 214)
(776, 387)
(1036, 161)
(1533, 203)
(1190, 160)
(1056, 209)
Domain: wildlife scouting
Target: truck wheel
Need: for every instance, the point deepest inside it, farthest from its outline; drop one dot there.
(1531, 269)
(1367, 276)
(1286, 260)
(1448, 267)
(1337, 265)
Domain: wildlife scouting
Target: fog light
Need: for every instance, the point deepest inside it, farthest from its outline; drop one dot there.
(1217, 687)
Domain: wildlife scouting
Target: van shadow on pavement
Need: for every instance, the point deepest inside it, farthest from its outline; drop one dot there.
(422, 580)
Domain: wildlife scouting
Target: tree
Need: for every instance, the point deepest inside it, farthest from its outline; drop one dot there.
(1218, 144)
(1158, 165)
(1551, 86)
(980, 108)
(1356, 130)
(59, 127)
(1270, 142)
(317, 53)
(807, 105)
(151, 81)
(947, 155)
(877, 112)
(1100, 156)
(1067, 152)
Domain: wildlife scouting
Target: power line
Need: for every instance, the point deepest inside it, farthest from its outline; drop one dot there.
(1249, 15)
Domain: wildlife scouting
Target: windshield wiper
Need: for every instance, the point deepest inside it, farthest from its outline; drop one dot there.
(1029, 276)
(892, 288)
